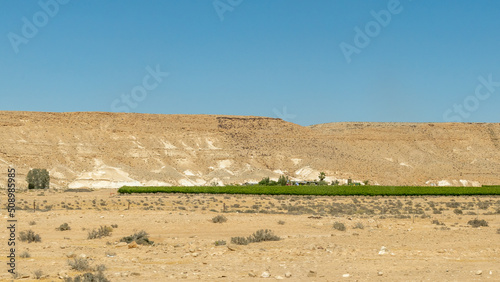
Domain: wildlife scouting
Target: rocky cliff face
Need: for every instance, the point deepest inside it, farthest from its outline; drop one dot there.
(108, 150)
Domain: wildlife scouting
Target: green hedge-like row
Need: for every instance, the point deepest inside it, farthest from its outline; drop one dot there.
(320, 190)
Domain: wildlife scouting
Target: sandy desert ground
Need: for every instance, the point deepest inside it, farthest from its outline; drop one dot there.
(424, 238)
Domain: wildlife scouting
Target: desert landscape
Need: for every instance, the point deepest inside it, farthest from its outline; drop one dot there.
(83, 228)
(385, 238)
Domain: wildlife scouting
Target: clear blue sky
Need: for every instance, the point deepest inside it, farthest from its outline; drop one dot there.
(253, 57)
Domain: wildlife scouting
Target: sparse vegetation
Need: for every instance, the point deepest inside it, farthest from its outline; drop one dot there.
(29, 236)
(259, 236)
(435, 221)
(281, 222)
(220, 243)
(101, 232)
(219, 219)
(141, 238)
(63, 227)
(38, 274)
(88, 277)
(25, 254)
(477, 223)
(358, 225)
(239, 240)
(79, 264)
(339, 226)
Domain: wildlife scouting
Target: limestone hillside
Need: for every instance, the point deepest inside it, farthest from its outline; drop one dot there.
(108, 150)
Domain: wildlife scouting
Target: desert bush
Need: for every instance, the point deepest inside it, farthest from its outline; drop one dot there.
(103, 231)
(29, 236)
(220, 243)
(259, 236)
(358, 225)
(114, 226)
(483, 205)
(38, 274)
(239, 240)
(477, 223)
(88, 277)
(219, 219)
(32, 222)
(281, 222)
(263, 235)
(25, 254)
(458, 211)
(435, 221)
(79, 264)
(498, 231)
(63, 227)
(141, 238)
(339, 226)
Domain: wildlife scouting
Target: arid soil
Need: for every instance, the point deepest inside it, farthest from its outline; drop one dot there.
(424, 238)
(109, 150)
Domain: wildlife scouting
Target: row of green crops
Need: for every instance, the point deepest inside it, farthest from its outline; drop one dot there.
(320, 190)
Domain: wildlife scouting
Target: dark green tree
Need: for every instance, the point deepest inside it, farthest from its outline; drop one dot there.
(38, 178)
(283, 180)
(264, 181)
(322, 176)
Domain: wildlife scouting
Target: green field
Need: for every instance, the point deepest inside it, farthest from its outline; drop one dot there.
(320, 190)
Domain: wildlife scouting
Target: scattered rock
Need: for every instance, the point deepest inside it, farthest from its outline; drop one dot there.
(70, 255)
(380, 273)
(288, 274)
(383, 251)
(279, 277)
(121, 244)
(347, 275)
(265, 274)
(311, 273)
(132, 245)
(251, 274)
(479, 272)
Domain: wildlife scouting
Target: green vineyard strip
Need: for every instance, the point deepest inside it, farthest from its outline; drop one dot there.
(320, 190)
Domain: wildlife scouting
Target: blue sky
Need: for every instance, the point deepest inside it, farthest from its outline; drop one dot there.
(431, 61)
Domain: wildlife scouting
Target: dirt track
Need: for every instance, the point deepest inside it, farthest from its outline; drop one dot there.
(310, 249)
